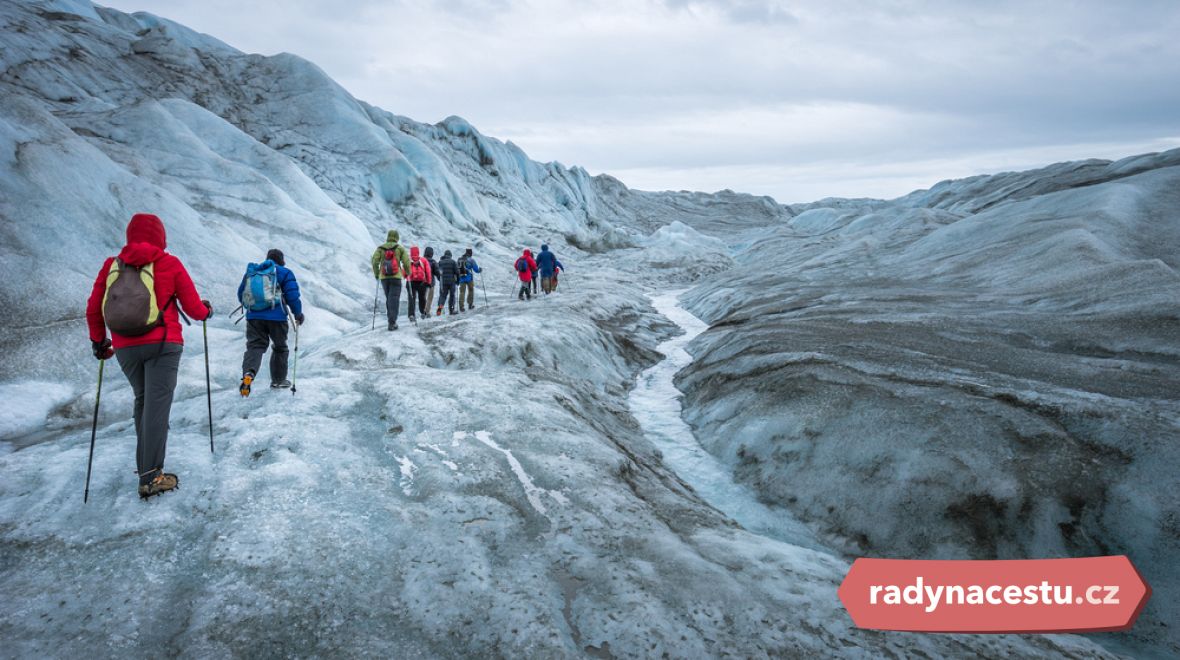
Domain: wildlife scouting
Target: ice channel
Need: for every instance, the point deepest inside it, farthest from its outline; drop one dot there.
(655, 402)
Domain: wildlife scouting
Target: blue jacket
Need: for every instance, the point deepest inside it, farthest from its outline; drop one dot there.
(290, 289)
(472, 268)
(546, 262)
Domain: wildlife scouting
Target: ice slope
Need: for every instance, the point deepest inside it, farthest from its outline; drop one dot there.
(990, 368)
(470, 486)
(454, 492)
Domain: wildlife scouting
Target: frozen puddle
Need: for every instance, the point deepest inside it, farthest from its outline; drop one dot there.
(655, 402)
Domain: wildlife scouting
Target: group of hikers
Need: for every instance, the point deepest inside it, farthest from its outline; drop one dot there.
(422, 276)
(141, 295)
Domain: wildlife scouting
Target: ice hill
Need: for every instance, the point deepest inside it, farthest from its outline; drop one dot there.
(105, 112)
(473, 486)
(995, 359)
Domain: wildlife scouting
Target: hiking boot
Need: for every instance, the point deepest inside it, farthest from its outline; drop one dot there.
(392, 327)
(163, 483)
(244, 387)
(281, 385)
(438, 312)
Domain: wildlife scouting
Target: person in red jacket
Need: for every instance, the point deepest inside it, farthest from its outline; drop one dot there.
(525, 267)
(150, 360)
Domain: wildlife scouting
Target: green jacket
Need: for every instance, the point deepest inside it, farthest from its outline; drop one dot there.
(402, 256)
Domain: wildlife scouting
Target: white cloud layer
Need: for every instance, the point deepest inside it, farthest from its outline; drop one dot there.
(798, 100)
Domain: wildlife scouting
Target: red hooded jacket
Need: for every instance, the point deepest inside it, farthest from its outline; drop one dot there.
(526, 276)
(415, 259)
(145, 245)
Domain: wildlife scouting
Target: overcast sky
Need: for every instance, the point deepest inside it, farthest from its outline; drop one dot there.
(795, 99)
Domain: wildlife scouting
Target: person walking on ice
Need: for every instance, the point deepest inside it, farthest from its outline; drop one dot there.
(138, 295)
(420, 278)
(448, 274)
(525, 267)
(429, 255)
(390, 264)
(267, 290)
(467, 270)
(548, 265)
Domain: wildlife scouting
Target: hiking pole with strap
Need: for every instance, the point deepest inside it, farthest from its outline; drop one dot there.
(93, 431)
(484, 289)
(208, 386)
(376, 292)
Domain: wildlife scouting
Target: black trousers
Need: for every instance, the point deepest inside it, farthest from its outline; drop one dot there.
(151, 370)
(446, 297)
(418, 291)
(393, 298)
(259, 335)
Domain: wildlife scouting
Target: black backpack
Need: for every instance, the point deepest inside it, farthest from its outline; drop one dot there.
(461, 264)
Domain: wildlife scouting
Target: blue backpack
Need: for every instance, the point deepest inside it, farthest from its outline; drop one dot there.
(262, 287)
(522, 265)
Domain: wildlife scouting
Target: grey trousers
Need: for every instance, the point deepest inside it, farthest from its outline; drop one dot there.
(467, 294)
(260, 335)
(393, 298)
(151, 370)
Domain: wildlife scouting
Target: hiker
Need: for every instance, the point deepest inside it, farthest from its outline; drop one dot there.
(525, 267)
(448, 272)
(390, 263)
(267, 290)
(429, 254)
(548, 264)
(420, 279)
(533, 281)
(557, 269)
(137, 296)
(467, 270)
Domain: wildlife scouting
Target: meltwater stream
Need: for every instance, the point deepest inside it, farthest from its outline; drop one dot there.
(655, 402)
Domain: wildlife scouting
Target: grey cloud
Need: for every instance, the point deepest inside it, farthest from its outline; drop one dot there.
(617, 85)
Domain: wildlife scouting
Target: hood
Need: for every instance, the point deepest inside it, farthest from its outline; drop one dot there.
(146, 228)
(392, 236)
(414, 252)
(447, 254)
(528, 253)
(468, 252)
(429, 252)
(544, 248)
(146, 240)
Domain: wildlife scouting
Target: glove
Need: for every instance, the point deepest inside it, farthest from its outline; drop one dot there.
(298, 319)
(102, 349)
(209, 307)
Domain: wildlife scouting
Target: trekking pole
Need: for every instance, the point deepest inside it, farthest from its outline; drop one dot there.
(376, 292)
(484, 289)
(295, 358)
(93, 431)
(208, 387)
